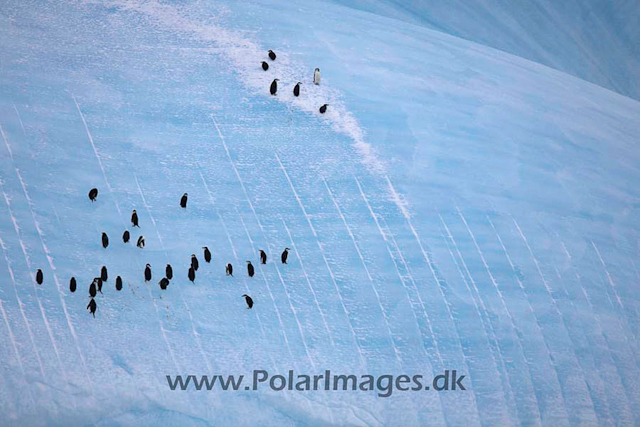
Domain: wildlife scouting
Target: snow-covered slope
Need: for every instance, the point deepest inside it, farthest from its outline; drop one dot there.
(594, 40)
(458, 207)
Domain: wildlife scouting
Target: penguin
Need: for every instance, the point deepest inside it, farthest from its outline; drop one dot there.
(323, 109)
(207, 254)
(97, 285)
(284, 256)
(126, 236)
(39, 277)
(248, 300)
(272, 55)
(274, 86)
(72, 284)
(183, 201)
(263, 257)
(93, 194)
(147, 273)
(140, 243)
(92, 307)
(164, 282)
(250, 269)
(105, 240)
(194, 262)
(103, 274)
(229, 270)
(118, 283)
(296, 89)
(316, 76)
(265, 66)
(134, 219)
(192, 274)
(168, 271)
(92, 289)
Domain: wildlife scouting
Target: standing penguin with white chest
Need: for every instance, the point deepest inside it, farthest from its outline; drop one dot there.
(296, 89)
(316, 76)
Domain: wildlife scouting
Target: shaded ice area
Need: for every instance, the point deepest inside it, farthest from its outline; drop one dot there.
(594, 40)
(459, 208)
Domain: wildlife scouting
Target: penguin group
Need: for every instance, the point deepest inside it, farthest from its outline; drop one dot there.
(273, 88)
(96, 285)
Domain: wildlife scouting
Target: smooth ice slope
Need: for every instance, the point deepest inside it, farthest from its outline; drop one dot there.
(457, 208)
(595, 40)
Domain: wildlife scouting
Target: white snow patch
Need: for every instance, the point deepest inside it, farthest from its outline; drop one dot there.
(246, 55)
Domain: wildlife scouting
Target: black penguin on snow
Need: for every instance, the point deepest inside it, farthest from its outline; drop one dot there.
(126, 236)
(183, 200)
(103, 274)
(250, 269)
(164, 282)
(274, 86)
(323, 109)
(192, 274)
(39, 277)
(229, 269)
(265, 66)
(296, 89)
(272, 55)
(284, 256)
(147, 273)
(92, 307)
(263, 257)
(105, 240)
(95, 285)
(248, 300)
(93, 194)
(168, 271)
(134, 219)
(194, 262)
(207, 254)
(140, 243)
(72, 284)
(118, 283)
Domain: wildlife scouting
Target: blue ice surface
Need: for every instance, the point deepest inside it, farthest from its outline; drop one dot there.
(594, 40)
(458, 207)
